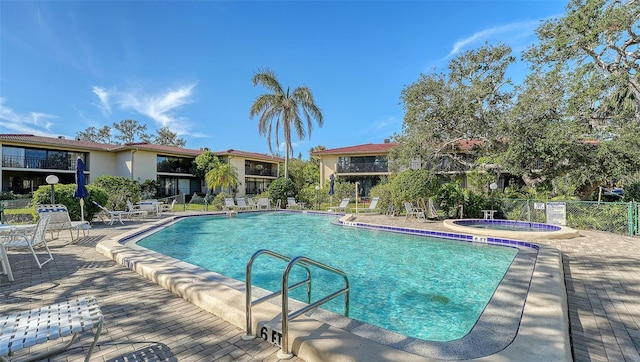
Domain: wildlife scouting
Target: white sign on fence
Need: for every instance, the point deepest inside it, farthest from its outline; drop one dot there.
(538, 205)
(557, 213)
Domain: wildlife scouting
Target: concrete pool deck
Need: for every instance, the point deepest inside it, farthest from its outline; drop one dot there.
(143, 320)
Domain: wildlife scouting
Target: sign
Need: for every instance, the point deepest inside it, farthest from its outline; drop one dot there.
(271, 335)
(538, 205)
(557, 213)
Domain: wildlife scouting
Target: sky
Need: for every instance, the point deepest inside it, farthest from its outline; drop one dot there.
(188, 65)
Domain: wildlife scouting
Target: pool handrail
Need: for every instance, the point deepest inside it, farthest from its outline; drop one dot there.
(248, 287)
(284, 352)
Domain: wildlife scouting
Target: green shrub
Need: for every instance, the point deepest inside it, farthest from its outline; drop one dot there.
(281, 188)
(64, 195)
(410, 185)
(632, 192)
(383, 192)
(120, 189)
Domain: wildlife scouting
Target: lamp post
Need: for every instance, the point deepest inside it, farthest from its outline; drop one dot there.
(317, 189)
(493, 187)
(52, 180)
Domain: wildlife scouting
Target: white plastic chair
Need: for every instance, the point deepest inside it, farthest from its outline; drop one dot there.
(414, 211)
(20, 239)
(343, 205)
(372, 206)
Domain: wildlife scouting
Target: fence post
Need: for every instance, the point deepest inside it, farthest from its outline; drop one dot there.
(631, 222)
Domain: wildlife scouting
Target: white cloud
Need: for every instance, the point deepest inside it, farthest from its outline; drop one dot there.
(513, 34)
(160, 107)
(35, 123)
(103, 96)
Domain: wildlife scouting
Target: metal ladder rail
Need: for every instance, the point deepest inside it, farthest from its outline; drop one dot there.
(286, 316)
(248, 287)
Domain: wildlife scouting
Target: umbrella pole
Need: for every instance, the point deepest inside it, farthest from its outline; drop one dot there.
(82, 209)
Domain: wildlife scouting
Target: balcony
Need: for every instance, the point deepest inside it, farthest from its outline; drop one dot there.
(38, 163)
(174, 169)
(260, 171)
(366, 167)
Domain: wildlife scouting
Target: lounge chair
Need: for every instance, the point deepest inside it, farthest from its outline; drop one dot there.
(229, 204)
(293, 204)
(112, 215)
(167, 207)
(140, 211)
(411, 210)
(343, 205)
(60, 220)
(432, 213)
(39, 325)
(19, 239)
(263, 203)
(372, 206)
(251, 204)
(242, 204)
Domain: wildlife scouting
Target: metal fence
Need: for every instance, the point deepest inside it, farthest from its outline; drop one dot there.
(615, 217)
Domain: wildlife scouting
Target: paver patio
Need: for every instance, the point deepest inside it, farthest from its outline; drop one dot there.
(144, 322)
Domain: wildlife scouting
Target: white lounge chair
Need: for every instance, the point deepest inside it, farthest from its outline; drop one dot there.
(141, 211)
(113, 216)
(242, 204)
(372, 206)
(229, 204)
(167, 208)
(263, 203)
(343, 205)
(293, 204)
(413, 211)
(21, 239)
(251, 204)
(60, 220)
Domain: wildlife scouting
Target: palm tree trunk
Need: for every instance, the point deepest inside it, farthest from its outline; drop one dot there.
(286, 163)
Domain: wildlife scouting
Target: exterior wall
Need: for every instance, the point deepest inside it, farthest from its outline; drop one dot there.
(238, 163)
(145, 165)
(99, 164)
(123, 164)
(328, 166)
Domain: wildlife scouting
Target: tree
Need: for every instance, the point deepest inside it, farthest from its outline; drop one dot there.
(599, 39)
(223, 175)
(314, 149)
(204, 163)
(92, 134)
(129, 129)
(442, 110)
(166, 137)
(283, 109)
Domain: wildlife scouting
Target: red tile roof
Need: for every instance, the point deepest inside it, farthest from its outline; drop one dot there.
(93, 146)
(259, 156)
(366, 148)
(56, 142)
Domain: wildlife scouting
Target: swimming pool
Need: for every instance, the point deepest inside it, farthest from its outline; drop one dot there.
(428, 288)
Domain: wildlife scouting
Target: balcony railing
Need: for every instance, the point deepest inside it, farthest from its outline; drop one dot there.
(38, 162)
(363, 167)
(257, 171)
(174, 169)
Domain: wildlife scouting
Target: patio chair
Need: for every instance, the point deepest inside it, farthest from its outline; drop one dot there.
(113, 216)
(28, 328)
(242, 204)
(293, 204)
(343, 205)
(60, 220)
(168, 208)
(411, 210)
(229, 204)
(263, 203)
(251, 204)
(20, 239)
(371, 208)
(140, 211)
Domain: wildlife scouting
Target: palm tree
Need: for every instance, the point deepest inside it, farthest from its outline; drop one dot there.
(283, 109)
(223, 175)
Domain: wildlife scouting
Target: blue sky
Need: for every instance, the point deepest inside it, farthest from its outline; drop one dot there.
(69, 65)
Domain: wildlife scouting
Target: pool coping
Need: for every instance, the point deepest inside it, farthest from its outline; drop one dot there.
(543, 334)
(564, 232)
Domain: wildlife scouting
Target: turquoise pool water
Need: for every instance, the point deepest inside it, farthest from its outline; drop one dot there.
(428, 288)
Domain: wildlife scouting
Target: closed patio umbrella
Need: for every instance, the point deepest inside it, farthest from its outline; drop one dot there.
(332, 181)
(80, 191)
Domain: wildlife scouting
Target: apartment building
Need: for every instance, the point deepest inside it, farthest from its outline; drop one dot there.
(28, 159)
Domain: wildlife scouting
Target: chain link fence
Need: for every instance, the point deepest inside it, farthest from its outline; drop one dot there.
(615, 217)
